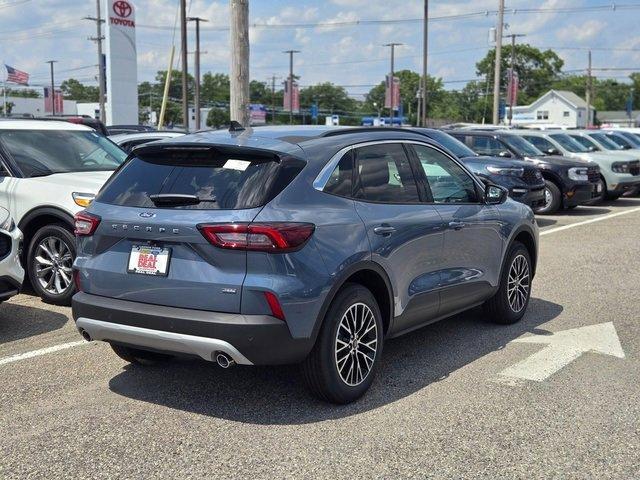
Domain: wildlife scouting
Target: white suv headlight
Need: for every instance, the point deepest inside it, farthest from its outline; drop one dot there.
(620, 167)
(83, 199)
(579, 174)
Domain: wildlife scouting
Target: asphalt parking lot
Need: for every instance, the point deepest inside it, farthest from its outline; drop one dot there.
(462, 398)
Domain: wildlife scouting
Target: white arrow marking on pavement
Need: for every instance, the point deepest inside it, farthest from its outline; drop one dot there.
(563, 348)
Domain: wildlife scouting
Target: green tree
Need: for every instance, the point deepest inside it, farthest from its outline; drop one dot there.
(537, 69)
(218, 117)
(329, 97)
(72, 89)
(214, 89)
(23, 93)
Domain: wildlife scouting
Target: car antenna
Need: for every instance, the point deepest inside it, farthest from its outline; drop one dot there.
(235, 126)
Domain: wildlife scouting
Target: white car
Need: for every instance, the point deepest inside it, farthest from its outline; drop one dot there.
(128, 141)
(49, 171)
(11, 272)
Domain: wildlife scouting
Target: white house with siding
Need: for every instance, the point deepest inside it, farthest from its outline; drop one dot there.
(556, 107)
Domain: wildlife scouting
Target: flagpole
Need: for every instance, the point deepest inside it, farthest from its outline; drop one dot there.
(4, 92)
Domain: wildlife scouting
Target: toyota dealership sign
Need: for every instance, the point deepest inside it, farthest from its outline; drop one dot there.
(122, 67)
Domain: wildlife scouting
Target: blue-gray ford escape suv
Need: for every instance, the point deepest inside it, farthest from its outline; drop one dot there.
(286, 245)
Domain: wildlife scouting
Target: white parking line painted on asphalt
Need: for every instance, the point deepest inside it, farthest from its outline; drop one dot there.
(42, 351)
(593, 220)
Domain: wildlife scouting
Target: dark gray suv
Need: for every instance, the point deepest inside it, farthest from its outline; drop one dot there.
(288, 245)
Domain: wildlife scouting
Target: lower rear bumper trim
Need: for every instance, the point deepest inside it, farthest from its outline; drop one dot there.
(205, 348)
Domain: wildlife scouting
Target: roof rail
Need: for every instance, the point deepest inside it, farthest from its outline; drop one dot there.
(348, 130)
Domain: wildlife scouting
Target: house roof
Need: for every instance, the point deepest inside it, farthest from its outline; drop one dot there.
(569, 97)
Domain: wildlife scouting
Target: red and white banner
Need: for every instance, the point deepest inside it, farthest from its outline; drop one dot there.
(59, 102)
(396, 92)
(512, 87)
(286, 104)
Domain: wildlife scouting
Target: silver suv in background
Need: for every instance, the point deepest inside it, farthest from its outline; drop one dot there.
(11, 272)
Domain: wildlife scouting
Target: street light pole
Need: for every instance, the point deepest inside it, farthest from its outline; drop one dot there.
(393, 45)
(425, 43)
(183, 43)
(497, 67)
(98, 39)
(197, 68)
(290, 84)
(52, 94)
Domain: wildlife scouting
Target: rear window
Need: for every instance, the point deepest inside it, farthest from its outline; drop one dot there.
(221, 183)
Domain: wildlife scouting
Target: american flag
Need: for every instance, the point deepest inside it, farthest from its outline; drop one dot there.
(17, 76)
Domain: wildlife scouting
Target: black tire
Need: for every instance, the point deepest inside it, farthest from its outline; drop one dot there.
(553, 199)
(499, 308)
(140, 357)
(60, 233)
(320, 369)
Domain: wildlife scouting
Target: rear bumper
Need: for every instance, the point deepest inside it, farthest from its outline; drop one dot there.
(248, 339)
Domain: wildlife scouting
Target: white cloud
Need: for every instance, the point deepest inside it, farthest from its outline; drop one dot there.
(587, 30)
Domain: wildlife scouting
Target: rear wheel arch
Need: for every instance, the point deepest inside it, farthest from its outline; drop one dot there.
(371, 276)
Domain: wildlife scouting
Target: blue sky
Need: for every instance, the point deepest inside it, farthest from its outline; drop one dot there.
(33, 31)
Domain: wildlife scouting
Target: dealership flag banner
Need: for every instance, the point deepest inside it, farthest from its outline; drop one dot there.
(57, 98)
(296, 96)
(396, 92)
(17, 76)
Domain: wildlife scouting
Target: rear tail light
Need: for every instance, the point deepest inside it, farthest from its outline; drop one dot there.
(274, 305)
(263, 237)
(76, 279)
(85, 224)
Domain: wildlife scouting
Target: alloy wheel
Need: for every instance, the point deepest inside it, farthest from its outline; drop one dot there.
(518, 284)
(548, 198)
(356, 344)
(53, 265)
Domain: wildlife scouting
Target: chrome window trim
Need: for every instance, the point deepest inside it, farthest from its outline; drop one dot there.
(322, 178)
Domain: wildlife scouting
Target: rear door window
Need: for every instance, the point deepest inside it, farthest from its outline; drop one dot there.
(384, 175)
(226, 183)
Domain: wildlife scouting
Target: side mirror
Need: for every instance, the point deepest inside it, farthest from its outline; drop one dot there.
(494, 194)
(504, 154)
(593, 149)
(553, 151)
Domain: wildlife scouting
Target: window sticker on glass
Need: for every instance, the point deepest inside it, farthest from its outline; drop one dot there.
(241, 165)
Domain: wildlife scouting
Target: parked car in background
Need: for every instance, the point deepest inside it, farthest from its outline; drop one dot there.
(85, 120)
(598, 141)
(50, 171)
(122, 129)
(624, 140)
(568, 183)
(617, 176)
(287, 245)
(11, 272)
(128, 141)
(523, 180)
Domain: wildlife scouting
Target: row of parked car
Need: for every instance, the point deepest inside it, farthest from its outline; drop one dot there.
(286, 244)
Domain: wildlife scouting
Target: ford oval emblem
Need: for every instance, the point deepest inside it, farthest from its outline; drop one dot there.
(147, 215)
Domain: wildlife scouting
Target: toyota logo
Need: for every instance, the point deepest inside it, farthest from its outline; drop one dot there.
(122, 8)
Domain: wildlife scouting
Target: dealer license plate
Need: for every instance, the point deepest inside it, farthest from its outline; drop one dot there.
(147, 260)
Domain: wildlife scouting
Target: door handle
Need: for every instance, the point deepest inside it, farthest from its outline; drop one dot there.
(384, 230)
(456, 225)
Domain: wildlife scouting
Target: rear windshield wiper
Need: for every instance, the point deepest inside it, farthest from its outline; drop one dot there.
(176, 199)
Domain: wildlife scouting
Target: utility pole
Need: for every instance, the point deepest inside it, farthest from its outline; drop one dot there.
(239, 104)
(273, 79)
(98, 39)
(425, 43)
(197, 68)
(290, 84)
(183, 46)
(496, 74)
(393, 45)
(588, 92)
(511, 76)
(52, 94)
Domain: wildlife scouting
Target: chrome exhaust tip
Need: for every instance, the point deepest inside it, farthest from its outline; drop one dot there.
(85, 334)
(224, 360)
